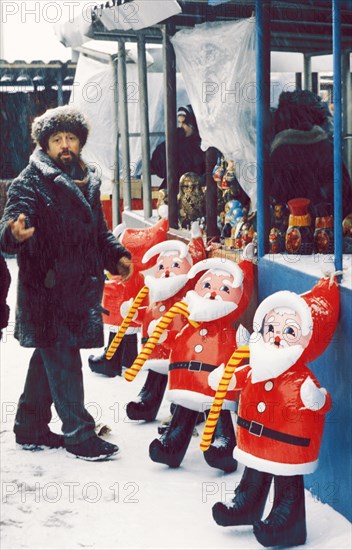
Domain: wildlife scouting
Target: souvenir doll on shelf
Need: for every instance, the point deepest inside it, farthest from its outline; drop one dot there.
(190, 200)
(276, 389)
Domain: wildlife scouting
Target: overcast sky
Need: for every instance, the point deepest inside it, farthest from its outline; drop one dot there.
(28, 27)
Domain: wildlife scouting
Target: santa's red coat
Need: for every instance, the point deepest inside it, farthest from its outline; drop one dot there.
(116, 293)
(276, 404)
(200, 350)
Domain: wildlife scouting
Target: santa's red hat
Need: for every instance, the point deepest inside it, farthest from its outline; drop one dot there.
(194, 251)
(139, 240)
(318, 309)
(241, 272)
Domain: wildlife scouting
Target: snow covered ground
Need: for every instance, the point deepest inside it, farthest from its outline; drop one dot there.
(52, 501)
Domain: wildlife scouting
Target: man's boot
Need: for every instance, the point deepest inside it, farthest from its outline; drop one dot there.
(219, 454)
(248, 504)
(149, 398)
(172, 445)
(122, 358)
(286, 523)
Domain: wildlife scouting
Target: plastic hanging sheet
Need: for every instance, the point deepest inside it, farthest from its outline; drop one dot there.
(217, 61)
(93, 93)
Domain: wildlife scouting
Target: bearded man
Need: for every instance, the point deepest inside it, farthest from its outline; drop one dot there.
(54, 222)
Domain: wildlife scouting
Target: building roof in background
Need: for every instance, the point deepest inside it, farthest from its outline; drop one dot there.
(36, 74)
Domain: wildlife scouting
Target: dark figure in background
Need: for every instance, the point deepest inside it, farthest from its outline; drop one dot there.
(5, 280)
(190, 157)
(302, 153)
(53, 221)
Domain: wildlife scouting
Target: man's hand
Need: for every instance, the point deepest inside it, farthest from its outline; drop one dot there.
(18, 229)
(125, 268)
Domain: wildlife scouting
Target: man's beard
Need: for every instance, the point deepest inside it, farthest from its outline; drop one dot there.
(165, 287)
(71, 166)
(204, 310)
(268, 361)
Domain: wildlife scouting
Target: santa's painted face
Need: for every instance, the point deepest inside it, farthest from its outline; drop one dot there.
(213, 296)
(279, 347)
(282, 328)
(170, 276)
(171, 265)
(218, 287)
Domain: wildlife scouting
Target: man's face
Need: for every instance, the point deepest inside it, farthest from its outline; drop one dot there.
(64, 148)
(188, 130)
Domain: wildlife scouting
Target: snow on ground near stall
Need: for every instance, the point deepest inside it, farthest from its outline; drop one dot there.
(51, 500)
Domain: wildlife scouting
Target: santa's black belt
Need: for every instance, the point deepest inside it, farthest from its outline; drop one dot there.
(195, 366)
(257, 429)
(144, 340)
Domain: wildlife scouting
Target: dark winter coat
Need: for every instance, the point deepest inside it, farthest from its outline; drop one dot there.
(61, 267)
(302, 165)
(190, 157)
(5, 280)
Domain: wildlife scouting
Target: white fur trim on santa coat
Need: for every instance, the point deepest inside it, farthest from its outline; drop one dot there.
(276, 468)
(160, 366)
(284, 298)
(196, 401)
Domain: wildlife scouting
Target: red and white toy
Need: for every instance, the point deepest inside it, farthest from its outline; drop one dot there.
(281, 412)
(167, 284)
(219, 297)
(118, 295)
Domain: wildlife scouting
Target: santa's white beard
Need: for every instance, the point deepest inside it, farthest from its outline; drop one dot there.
(268, 361)
(203, 309)
(164, 288)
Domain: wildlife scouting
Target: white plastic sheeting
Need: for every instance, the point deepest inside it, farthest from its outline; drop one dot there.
(137, 15)
(94, 94)
(217, 61)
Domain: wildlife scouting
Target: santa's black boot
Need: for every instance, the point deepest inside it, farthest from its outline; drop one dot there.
(149, 398)
(219, 454)
(286, 523)
(247, 506)
(122, 358)
(172, 445)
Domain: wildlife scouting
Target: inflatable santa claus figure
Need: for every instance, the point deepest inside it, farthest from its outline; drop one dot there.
(118, 295)
(167, 284)
(219, 298)
(281, 413)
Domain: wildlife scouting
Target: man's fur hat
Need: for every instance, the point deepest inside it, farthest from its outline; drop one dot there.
(60, 119)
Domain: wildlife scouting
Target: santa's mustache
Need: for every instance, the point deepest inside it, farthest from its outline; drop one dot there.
(210, 296)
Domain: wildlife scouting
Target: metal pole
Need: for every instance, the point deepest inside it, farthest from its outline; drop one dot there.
(116, 213)
(143, 105)
(170, 126)
(336, 45)
(60, 93)
(263, 119)
(347, 110)
(211, 194)
(123, 126)
(307, 69)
